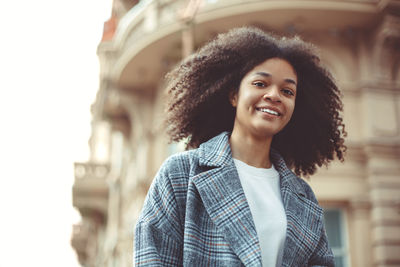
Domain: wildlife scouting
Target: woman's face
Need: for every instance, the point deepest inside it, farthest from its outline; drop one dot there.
(266, 99)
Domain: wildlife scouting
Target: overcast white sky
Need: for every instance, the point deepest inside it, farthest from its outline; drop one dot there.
(48, 80)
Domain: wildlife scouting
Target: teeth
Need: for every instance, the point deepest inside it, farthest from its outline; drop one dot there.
(267, 110)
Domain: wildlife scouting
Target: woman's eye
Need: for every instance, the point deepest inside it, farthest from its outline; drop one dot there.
(288, 92)
(259, 84)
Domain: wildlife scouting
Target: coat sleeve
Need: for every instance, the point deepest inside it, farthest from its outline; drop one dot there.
(322, 255)
(158, 235)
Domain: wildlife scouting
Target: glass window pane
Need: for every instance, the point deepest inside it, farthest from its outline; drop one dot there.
(339, 261)
(333, 228)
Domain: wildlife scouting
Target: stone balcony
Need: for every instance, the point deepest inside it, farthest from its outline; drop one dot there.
(148, 39)
(91, 191)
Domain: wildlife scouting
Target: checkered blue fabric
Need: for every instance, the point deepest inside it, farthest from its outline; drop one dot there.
(196, 214)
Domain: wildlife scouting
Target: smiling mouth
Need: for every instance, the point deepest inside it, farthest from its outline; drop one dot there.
(269, 111)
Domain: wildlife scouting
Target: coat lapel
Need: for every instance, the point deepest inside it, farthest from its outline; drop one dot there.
(225, 201)
(304, 217)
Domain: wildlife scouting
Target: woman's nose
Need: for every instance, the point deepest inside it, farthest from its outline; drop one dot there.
(272, 94)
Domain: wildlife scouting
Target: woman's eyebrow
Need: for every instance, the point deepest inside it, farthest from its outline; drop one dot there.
(267, 75)
(290, 81)
(261, 73)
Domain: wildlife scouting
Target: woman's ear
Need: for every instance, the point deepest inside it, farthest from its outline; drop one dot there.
(233, 98)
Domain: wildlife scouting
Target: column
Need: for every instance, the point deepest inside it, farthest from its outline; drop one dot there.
(360, 233)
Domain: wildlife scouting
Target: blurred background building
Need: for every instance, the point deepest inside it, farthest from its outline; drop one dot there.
(359, 42)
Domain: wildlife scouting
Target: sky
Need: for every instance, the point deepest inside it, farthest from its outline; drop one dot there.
(49, 74)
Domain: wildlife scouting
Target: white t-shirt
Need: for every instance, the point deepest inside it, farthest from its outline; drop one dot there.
(262, 190)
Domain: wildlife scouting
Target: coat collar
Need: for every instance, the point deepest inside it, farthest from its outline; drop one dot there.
(288, 178)
(217, 153)
(225, 201)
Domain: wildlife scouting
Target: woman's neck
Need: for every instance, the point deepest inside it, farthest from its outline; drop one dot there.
(250, 150)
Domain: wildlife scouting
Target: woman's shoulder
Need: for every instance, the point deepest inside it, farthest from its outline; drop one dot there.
(180, 163)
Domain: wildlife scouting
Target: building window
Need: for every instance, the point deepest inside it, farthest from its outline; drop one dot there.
(337, 235)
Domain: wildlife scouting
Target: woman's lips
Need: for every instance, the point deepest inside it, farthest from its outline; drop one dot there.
(269, 111)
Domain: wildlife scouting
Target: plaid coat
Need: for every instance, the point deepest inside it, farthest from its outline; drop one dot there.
(196, 214)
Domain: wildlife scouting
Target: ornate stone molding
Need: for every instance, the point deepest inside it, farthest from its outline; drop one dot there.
(386, 52)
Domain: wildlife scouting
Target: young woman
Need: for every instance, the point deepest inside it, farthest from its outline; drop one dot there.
(258, 110)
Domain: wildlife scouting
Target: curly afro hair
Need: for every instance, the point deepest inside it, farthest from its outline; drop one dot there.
(198, 89)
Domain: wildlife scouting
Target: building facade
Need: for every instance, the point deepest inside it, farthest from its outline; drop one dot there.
(359, 41)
